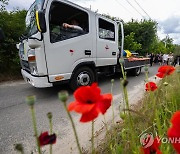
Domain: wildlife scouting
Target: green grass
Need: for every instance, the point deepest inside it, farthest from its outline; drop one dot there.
(155, 112)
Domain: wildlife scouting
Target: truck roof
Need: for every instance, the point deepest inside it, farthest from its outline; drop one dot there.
(85, 8)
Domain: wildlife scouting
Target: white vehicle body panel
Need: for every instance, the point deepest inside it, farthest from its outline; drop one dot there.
(105, 48)
(38, 82)
(63, 56)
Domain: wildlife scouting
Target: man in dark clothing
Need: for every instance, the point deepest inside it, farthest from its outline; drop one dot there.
(151, 59)
(176, 60)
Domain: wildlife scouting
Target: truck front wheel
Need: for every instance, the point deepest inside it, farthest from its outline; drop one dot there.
(82, 77)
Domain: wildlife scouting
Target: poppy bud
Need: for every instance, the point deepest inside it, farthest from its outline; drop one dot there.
(121, 60)
(112, 80)
(124, 83)
(49, 115)
(122, 116)
(30, 100)
(146, 68)
(63, 96)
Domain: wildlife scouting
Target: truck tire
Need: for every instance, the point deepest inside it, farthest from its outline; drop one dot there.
(136, 71)
(82, 77)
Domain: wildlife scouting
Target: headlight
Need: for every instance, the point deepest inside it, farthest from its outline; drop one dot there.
(32, 62)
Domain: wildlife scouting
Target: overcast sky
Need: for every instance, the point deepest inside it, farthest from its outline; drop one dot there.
(165, 12)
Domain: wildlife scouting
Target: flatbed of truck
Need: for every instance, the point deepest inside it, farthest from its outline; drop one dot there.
(133, 62)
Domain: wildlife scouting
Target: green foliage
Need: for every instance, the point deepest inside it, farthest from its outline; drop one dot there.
(130, 43)
(145, 33)
(13, 25)
(158, 47)
(168, 44)
(177, 50)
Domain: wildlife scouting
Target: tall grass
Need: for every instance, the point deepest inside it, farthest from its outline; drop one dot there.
(153, 116)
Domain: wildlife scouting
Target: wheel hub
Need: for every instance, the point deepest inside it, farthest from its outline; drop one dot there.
(83, 79)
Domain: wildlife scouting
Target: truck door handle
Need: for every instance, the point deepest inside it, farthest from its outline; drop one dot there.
(87, 52)
(113, 53)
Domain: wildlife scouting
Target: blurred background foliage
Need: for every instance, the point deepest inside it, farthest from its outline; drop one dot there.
(13, 25)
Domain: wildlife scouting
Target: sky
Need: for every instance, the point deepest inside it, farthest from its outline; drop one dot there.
(165, 12)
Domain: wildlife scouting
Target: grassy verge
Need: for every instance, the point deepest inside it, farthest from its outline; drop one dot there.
(153, 117)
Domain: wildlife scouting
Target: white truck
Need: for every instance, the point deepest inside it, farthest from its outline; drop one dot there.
(50, 53)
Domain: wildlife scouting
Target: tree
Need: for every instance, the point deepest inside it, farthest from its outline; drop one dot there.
(158, 47)
(130, 43)
(168, 44)
(177, 50)
(145, 33)
(13, 25)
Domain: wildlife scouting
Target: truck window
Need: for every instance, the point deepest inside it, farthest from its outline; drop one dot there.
(106, 30)
(66, 22)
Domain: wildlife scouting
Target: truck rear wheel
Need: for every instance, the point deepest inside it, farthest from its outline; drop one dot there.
(136, 71)
(82, 77)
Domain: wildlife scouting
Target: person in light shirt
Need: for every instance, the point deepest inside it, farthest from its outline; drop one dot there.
(74, 25)
(165, 59)
(170, 58)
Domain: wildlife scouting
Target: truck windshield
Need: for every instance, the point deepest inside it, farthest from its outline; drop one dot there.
(31, 27)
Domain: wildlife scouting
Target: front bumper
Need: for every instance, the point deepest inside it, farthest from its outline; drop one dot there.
(39, 82)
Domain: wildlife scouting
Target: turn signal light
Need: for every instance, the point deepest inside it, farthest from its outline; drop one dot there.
(59, 77)
(31, 58)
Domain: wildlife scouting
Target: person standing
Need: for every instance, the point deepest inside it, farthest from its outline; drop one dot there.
(151, 59)
(165, 59)
(170, 58)
(160, 59)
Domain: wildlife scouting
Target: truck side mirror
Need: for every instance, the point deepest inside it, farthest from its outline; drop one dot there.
(41, 22)
(1, 35)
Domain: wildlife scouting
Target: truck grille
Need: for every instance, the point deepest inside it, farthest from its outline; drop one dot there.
(25, 65)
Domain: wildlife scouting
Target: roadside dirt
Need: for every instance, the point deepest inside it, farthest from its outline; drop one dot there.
(9, 78)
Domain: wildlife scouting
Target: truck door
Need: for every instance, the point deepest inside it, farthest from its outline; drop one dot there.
(107, 44)
(66, 47)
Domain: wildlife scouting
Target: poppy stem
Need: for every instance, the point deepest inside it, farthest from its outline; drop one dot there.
(112, 84)
(92, 139)
(74, 128)
(105, 123)
(130, 120)
(147, 78)
(35, 128)
(50, 130)
(122, 70)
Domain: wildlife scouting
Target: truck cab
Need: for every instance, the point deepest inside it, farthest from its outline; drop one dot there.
(51, 53)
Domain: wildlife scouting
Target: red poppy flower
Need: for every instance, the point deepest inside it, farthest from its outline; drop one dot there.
(90, 102)
(151, 86)
(153, 149)
(45, 139)
(174, 131)
(165, 70)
